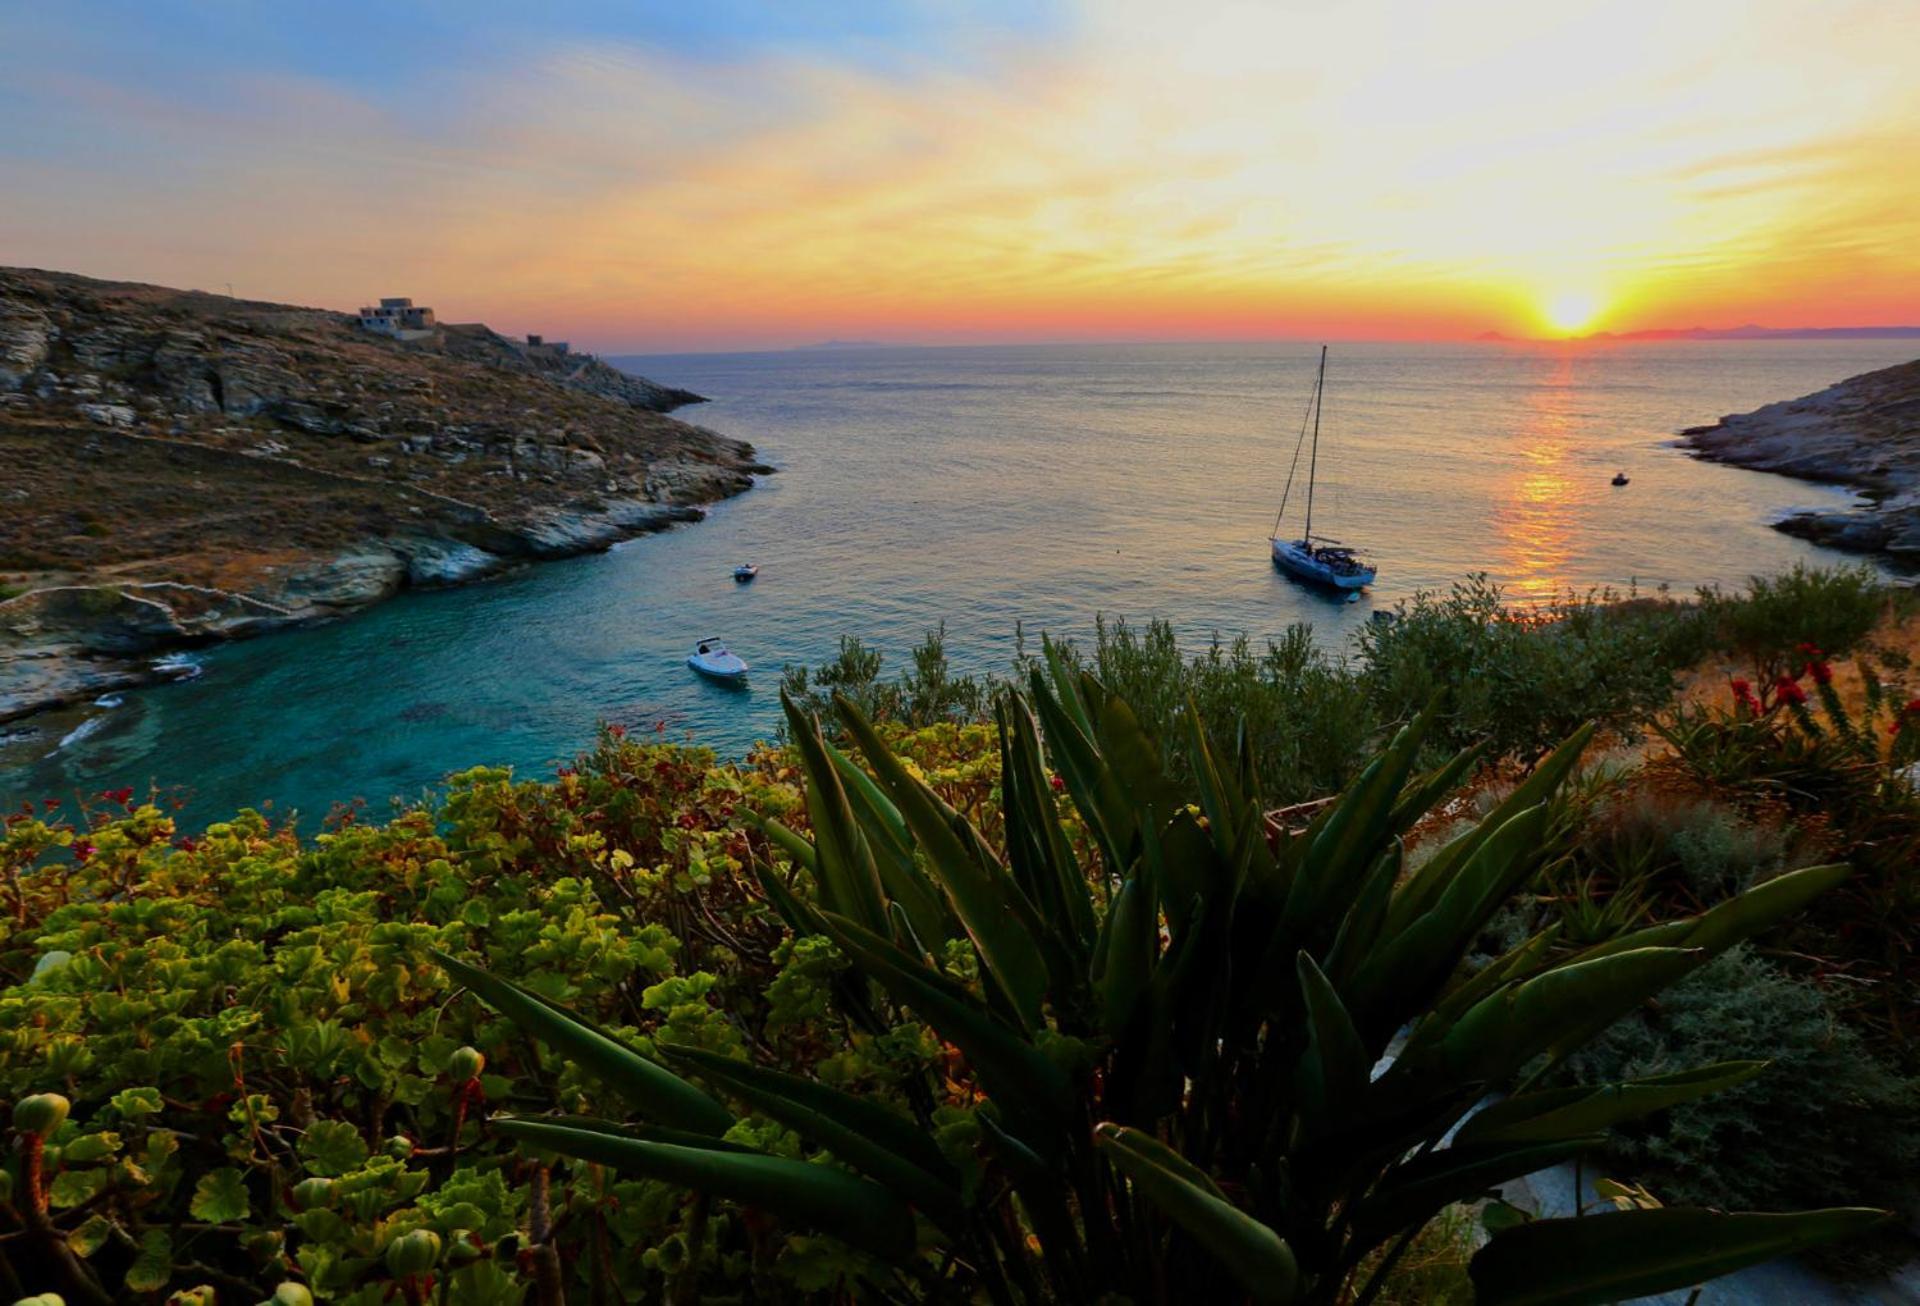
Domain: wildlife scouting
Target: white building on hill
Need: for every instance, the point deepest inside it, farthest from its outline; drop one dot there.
(397, 317)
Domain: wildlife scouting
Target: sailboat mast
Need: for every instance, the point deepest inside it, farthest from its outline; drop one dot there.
(1313, 461)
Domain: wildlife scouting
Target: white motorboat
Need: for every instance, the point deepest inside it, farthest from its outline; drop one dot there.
(710, 657)
(746, 571)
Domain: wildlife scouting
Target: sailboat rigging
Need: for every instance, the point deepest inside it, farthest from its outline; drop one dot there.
(1316, 558)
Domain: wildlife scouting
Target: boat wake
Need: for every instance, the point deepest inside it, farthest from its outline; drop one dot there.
(80, 732)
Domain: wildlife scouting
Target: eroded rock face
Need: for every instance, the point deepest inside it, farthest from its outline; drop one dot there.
(1863, 433)
(26, 333)
(297, 465)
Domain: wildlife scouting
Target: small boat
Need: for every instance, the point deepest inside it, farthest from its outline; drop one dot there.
(746, 571)
(710, 657)
(1316, 558)
(1619, 478)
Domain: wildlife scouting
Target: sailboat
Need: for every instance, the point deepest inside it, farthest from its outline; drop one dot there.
(1313, 557)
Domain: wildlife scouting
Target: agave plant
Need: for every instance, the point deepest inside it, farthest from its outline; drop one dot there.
(1221, 1060)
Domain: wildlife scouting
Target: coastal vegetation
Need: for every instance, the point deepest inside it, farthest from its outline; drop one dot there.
(1022, 989)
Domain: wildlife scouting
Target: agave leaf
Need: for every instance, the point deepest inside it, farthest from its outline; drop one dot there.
(1522, 961)
(1425, 885)
(1422, 794)
(650, 1086)
(880, 1144)
(1220, 798)
(1567, 1112)
(983, 896)
(1355, 833)
(853, 1209)
(845, 869)
(1330, 1077)
(1611, 1257)
(1366, 918)
(1414, 1192)
(1052, 874)
(1095, 792)
(1738, 918)
(1257, 1256)
(786, 905)
(887, 823)
(787, 842)
(1555, 1011)
(1402, 975)
(1132, 947)
(1066, 682)
(645, 1132)
(1134, 760)
(1021, 1080)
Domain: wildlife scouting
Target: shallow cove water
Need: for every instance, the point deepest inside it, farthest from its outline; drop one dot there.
(987, 487)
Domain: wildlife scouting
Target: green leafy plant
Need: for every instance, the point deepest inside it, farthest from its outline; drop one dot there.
(1205, 1058)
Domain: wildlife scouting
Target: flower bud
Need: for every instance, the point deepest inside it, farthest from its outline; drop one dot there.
(291, 1294)
(464, 1248)
(40, 1114)
(466, 1063)
(413, 1253)
(312, 1194)
(400, 1147)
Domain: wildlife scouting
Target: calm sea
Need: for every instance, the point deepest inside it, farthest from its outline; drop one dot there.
(982, 488)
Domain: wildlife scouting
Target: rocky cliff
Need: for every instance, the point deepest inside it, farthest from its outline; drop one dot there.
(1863, 433)
(184, 467)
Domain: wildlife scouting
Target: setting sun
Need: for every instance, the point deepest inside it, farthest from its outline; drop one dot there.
(1571, 311)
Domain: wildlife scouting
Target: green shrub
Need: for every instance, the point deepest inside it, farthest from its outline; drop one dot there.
(1522, 679)
(1826, 1121)
(1306, 716)
(927, 694)
(1833, 609)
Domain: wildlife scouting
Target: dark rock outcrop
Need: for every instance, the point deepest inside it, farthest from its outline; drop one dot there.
(1863, 433)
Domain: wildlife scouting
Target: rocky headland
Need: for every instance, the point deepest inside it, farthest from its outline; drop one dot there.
(185, 467)
(1863, 433)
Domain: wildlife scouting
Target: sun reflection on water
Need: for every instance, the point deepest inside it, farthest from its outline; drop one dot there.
(1532, 514)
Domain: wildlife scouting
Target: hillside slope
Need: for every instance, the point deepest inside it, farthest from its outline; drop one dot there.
(184, 467)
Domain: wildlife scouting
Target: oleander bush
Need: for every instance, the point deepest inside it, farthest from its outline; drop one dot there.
(1190, 1056)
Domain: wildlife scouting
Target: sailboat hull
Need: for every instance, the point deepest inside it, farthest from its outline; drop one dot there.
(1298, 559)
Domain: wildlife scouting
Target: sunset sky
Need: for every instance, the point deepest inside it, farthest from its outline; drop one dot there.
(710, 174)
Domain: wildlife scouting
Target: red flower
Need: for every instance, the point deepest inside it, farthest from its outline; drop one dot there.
(1788, 688)
(618, 732)
(187, 844)
(1809, 651)
(1913, 706)
(50, 803)
(82, 851)
(1822, 672)
(1057, 782)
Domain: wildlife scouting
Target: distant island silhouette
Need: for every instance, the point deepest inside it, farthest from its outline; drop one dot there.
(1748, 332)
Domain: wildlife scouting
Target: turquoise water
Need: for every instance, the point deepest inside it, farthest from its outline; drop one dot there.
(986, 487)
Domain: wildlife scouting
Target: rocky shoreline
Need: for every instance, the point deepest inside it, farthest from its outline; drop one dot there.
(189, 468)
(1863, 433)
